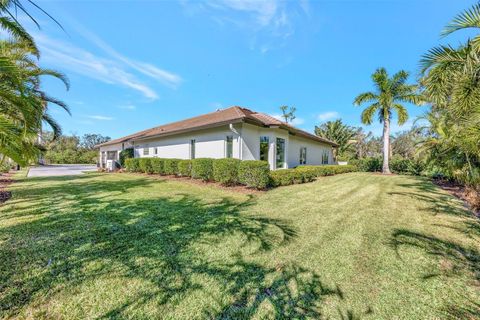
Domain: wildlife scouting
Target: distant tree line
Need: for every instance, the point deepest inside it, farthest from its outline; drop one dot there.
(72, 149)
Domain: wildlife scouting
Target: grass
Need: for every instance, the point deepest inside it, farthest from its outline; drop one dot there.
(344, 247)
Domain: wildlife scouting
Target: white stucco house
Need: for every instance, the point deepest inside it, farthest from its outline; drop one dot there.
(234, 132)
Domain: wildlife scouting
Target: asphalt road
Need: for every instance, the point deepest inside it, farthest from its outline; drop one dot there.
(60, 170)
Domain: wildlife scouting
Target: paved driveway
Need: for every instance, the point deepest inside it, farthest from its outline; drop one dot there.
(60, 170)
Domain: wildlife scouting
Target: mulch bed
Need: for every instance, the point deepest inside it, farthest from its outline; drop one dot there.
(458, 191)
(5, 180)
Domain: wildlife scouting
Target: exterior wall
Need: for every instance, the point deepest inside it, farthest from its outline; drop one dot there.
(114, 147)
(211, 143)
(315, 151)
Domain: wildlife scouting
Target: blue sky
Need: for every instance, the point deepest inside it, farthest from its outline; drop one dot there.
(138, 64)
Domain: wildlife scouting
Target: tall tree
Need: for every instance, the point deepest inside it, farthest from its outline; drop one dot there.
(23, 104)
(389, 94)
(340, 133)
(451, 84)
(288, 113)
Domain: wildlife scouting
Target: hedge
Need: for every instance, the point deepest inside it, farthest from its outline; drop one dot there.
(132, 164)
(225, 171)
(124, 155)
(145, 165)
(185, 168)
(254, 173)
(303, 174)
(157, 165)
(202, 168)
(367, 164)
(291, 176)
(171, 166)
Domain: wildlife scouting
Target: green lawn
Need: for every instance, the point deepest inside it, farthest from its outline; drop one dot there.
(344, 247)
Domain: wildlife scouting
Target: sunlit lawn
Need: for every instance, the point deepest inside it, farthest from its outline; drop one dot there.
(128, 246)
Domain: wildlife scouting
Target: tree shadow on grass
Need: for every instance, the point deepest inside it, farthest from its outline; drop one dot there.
(167, 242)
(454, 260)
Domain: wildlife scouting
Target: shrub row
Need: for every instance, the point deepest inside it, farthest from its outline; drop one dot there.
(252, 173)
(303, 174)
(398, 165)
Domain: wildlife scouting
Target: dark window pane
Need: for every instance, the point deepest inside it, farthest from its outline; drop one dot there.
(229, 147)
(264, 142)
(280, 161)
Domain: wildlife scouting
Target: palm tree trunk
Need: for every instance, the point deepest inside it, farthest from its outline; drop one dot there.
(386, 146)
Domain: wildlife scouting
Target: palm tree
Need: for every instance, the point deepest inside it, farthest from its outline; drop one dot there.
(469, 18)
(23, 105)
(340, 133)
(387, 98)
(451, 84)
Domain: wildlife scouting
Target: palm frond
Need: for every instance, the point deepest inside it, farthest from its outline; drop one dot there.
(470, 18)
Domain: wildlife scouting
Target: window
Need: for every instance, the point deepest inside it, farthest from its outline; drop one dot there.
(229, 152)
(325, 157)
(111, 155)
(192, 149)
(264, 145)
(303, 155)
(146, 150)
(280, 161)
(155, 151)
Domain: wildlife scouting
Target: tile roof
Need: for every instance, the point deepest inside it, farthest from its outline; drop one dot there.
(221, 117)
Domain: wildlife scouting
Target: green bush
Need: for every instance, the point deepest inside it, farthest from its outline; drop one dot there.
(145, 165)
(225, 171)
(185, 168)
(157, 165)
(171, 166)
(303, 174)
(287, 177)
(202, 168)
(5, 167)
(132, 164)
(368, 164)
(254, 173)
(124, 155)
(402, 165)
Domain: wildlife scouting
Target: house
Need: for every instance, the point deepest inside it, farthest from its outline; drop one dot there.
(234, 132)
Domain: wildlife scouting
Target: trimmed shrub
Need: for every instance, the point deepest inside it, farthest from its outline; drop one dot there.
(185, 168)
(202, 168)
(132, 164)
(287, 177)
(157, 165)
(225, 171)
(254, 173)
(124, 155)
(303, 174)
(171, 166)
(368, 164)
(145, 165)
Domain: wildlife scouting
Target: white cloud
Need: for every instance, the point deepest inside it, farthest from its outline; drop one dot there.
(270, 22)
(128, 107)
(327, 115)
(168, 78)
(98, 117)
(112, 68)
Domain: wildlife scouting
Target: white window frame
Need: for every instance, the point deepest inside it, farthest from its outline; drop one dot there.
(146, 150)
